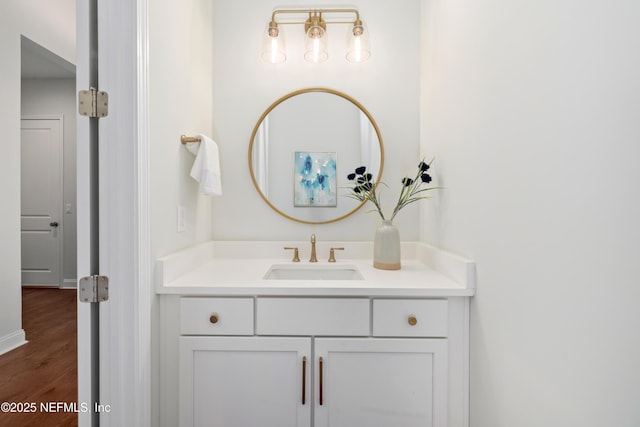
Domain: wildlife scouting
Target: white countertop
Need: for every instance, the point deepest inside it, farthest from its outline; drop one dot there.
(238, 268)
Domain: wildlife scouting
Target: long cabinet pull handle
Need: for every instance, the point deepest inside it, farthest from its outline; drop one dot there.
(321, 377)
(304, 380)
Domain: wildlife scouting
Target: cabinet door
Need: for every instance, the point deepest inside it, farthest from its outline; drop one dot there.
(244, 381)
(380, 383)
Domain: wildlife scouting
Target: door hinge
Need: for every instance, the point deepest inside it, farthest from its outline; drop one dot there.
(93, 103)
(94, 289)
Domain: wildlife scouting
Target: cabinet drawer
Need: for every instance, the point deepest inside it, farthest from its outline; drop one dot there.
(313, 316)
(216, 316)
(410, 318)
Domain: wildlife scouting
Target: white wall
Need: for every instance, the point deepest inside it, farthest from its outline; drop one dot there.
(58, 96)
(180, 102)
(531, 110)
(51, 24)
(10, 300)
(244, 87)
(35, 20)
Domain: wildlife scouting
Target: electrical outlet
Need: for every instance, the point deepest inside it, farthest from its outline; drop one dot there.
(182, 221)
(67, 208)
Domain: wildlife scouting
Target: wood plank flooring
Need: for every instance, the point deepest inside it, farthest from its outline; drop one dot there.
(45, 369)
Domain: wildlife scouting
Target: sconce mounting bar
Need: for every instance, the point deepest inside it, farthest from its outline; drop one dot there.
(314, 11)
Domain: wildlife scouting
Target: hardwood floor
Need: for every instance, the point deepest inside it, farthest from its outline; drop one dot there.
(45, 369)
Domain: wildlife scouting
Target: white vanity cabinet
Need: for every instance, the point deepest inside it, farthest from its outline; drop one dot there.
(322, 362)
(237, 349)
(244, 381)
(380, 382)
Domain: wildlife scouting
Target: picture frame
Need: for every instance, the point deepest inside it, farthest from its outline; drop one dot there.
(315, 179)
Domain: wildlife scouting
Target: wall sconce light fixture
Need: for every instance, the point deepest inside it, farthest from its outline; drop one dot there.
(315, 30)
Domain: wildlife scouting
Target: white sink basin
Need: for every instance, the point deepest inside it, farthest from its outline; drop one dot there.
(313, 272)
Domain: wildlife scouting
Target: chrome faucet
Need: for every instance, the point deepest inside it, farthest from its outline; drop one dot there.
(313, 249)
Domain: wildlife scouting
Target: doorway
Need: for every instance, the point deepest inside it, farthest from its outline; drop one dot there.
(48, 164)
(48, 220)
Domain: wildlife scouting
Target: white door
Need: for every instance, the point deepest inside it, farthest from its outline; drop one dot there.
(41, 200)
(381, 382)
(114, 337)
(242, 382)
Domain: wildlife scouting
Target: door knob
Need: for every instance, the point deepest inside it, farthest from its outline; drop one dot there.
(54, 224)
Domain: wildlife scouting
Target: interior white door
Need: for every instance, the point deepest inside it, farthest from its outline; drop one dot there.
(41, 144)
(88, 350)
(114, 336)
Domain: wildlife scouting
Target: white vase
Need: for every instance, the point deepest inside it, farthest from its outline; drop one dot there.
(386, 247)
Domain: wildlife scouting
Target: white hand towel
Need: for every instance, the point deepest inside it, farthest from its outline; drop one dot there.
(206, 167)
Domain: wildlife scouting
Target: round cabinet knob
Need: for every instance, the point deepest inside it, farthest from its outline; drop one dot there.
(413, 321)
(214, 318)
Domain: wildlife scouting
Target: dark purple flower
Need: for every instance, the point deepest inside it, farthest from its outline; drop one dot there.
(407, 181)
(426, 178)
(351, 176)
(368, 177)
(361, 170)
(423, 166)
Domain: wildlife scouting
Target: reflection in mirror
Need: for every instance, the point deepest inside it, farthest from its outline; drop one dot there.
(302, 149)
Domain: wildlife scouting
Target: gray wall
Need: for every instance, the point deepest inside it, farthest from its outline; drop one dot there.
(57, 97)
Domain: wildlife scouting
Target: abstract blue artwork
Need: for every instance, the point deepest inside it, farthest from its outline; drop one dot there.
(315, 179)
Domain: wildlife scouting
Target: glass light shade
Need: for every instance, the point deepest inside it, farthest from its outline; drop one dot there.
(359, 49)
(273, 48)
(315, 49)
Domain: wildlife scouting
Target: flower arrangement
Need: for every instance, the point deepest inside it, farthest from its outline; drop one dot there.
(365, 189)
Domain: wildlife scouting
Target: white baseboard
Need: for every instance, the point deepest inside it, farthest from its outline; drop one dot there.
(11, 341)
(69, 284)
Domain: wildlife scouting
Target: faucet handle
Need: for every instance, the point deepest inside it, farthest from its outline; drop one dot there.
(296, 256)
(332, 254)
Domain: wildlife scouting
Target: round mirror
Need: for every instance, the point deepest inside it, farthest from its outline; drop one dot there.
(304, 146)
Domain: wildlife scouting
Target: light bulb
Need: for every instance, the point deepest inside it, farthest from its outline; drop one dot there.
(358, 42)
(273, 45)
(357, 49)
(274, 50)
(316, 50)
(316, 41)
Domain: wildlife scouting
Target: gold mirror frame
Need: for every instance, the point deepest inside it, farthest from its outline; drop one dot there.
(291, 95)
